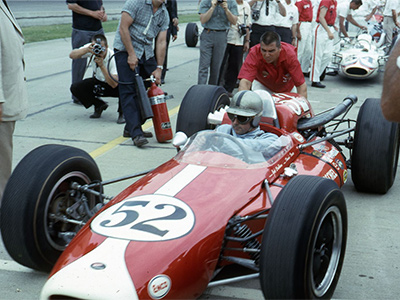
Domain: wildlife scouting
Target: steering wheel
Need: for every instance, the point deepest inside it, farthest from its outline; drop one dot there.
(244, 155)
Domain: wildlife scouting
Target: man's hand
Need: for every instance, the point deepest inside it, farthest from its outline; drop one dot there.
(98, 14)
(214, 3)
(99, 61)
(330, 35)
(157, 75)
(133, 61)
(298, 36)
(175, 22)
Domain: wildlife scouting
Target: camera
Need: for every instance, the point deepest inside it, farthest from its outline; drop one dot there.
(255, 15)
(98, 48)
(220, 1)
(242, 29)
(98, 90)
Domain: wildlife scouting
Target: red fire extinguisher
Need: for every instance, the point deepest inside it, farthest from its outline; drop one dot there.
(161, 122)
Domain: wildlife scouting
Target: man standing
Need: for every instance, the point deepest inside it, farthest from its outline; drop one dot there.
(264, 17)
(323, 40)
(172, 8)
(390, 18)
(344, 13)
(87, 16)
(304, 35)
(13, 97)
(216, 16)
(140, 23)
(272, 66)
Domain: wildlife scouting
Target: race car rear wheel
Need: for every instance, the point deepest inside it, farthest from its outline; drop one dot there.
(191, 35)
(375, 150)
(198, 102)
(304, 241)
(40, 213)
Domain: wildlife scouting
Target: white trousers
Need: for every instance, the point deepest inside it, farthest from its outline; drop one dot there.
(304, 46)
(322, 52)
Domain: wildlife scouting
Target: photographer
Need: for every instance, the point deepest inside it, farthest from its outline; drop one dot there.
(238, 43)
(89, 90)
(216, 16)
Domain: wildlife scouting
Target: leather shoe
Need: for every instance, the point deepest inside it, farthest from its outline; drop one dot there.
(146, 134)
(139, 141)
(121, 119)
(318, 85)
(98, 111)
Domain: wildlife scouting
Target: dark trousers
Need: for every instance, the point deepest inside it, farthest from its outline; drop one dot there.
(231, 63)
(285, 33)
(257, 31)
(127, 89)
(89, 90)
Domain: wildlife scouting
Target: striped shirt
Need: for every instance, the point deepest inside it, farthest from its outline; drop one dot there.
(145, 26)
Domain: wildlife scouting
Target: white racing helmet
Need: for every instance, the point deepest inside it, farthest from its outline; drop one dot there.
(247, 104)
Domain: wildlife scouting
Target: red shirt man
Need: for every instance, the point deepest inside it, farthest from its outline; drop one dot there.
(330, 15)
(305, 10)
(274, 65)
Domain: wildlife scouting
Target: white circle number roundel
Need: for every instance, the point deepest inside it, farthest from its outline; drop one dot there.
(145, 218)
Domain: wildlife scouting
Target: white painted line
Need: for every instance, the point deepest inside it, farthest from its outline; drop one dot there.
(10, 265)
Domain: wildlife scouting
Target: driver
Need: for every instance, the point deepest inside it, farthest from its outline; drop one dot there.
(245, 113)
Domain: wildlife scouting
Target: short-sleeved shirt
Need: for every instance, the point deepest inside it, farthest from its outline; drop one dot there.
(280, 78)
(144, 28)
(273, 12)
(83, 22)
(97, 73)
(389, 6)
(343, 10)
(218, 20)
(305, 10)
(234, 37)
(330, 16)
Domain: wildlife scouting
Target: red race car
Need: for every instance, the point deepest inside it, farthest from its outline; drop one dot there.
(213, 205)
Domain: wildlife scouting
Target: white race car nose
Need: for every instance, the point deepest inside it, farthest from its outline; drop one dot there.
(100, 274)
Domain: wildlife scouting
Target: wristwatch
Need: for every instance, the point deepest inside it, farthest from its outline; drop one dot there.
(160, 67)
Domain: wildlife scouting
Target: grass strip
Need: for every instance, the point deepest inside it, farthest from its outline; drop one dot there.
(51, 32)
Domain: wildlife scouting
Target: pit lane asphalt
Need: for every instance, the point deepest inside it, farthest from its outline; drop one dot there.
(371, 266)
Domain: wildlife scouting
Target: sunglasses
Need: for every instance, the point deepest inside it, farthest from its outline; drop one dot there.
(241, 119)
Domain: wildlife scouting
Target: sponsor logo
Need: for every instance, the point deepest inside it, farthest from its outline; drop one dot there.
(344, 176)
(298, 137)
(159, 286)
(165, 125)
(331, 174)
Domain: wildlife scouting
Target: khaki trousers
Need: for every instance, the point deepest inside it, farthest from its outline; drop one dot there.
(6, 145)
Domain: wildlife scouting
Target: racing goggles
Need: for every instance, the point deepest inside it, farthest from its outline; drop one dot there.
(241, 119)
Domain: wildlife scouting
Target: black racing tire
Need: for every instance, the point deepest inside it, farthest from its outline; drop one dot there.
(304, 240)
(375, 150)
(198, 102)
(39, 189)
(191, 34)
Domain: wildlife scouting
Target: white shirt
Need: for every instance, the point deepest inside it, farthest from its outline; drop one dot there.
(97, 73)
(273, 11)
(244, 17)
(391, 5)
(343, 10)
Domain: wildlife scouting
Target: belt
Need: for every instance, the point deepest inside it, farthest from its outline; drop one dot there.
(215, 30)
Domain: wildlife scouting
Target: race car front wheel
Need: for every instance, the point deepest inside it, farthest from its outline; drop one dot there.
(198, 102)
(40, 212)
(375, 150)
(304, 240)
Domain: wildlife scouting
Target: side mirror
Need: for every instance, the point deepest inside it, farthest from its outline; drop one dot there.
(179, 139)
